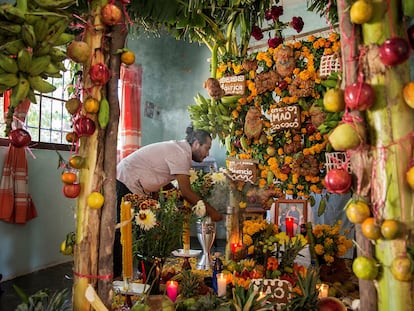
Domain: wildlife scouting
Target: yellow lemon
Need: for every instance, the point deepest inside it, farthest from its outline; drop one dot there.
(361, 11)
(95, 200)
(333, 100)
(91, 105)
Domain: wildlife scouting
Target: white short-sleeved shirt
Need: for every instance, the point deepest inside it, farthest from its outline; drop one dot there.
(154, 166)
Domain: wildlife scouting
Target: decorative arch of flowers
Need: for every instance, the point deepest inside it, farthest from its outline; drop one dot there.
(291, 160)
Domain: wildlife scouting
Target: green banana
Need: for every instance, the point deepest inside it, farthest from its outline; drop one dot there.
(57, 54)
(51, 69)
(55, 31)
(42, 50)
(227, 143)
(230, 99)
(13, 47)
(3, 88)
(244, 144)
(14, 14)
(57, 75)
(55, 4)
(103, 114)
(19, 92)
(38, 65)
(9, 79)
(8, 64)
(64, 38)
(38, 84)
(28, 35)
(322, 207)
(8, 29)
(41, 28)
(31, 96)
(24, 60)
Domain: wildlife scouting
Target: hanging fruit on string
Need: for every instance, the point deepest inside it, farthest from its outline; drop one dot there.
(84, 126)
(333, 100)
(359, 96)
(72, 105)
(76, 161)
(409, 175)
(71, 191)
(95, 200)
(20, 138)
(91, 105)
(371, 229)
(394, 51)
(402, 268)
(361, 11)
(72, 137)
(127, 56)
(110, 14)
(408, 93)
(79, 51)
(365, 268)
(346, 136)
(391, 229)
(99, 74)
(338, 180)
(357, 210)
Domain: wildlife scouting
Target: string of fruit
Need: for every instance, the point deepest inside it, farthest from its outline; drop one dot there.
(32, 39)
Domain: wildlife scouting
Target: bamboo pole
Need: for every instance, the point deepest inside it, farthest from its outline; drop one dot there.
(390, 122)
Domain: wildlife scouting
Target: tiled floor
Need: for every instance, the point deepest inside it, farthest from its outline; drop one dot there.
(56, 278)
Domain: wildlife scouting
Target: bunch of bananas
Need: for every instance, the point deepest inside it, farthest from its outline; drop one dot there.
(214, 115)
(32, 47)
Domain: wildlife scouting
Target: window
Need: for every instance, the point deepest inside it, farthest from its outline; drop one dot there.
(48, 121)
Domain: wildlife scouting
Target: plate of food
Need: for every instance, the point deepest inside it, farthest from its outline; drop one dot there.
(132, 288)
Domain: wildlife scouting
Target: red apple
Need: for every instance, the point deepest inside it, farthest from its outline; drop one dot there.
(111, 14)
(20, 138)
(71, 190)
(394, 51)
(359, 96)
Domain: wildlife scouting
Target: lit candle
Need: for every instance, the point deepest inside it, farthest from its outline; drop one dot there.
(289, 226)
(323, 290)
(221, 284)
(172, 288)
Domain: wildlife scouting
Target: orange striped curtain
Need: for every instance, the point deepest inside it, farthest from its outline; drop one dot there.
(130, 106)
(16, 205)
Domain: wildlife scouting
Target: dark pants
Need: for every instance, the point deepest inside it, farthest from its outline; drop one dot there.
(121, 190)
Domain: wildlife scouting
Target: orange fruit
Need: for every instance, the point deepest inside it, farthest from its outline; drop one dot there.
(91, 105)
(68, 177)
(408, 94)
(410, 177)
(365, 268)
(357, 211)
(390, 229)
(371, 229)
(76, 161)
(361, 11)
(333, 100)
(401, 268)
(71, 137)
(95, 200)
(128, 57)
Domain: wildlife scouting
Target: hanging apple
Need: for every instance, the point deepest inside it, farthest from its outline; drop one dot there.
(394, 51)
(359, 96)
(338, 180)
(84, 126)
(99, 74)
(71, 191)
(20, 138)
(110, 14)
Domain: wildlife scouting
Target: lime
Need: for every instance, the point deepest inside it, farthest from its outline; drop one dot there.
(357, 211)
(365, 268)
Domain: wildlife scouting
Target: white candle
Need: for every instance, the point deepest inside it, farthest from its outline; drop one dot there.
(221, 284)
(323, 290)
(172, 288)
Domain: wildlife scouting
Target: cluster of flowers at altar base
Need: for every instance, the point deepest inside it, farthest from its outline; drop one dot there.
(270, 254)
(157, 224)
(330, 243)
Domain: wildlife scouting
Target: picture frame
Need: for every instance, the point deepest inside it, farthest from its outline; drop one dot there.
(296, 209)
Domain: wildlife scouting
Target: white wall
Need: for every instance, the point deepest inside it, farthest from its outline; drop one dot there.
(35, 245)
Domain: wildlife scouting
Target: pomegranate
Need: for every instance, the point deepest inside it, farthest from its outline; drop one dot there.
(394, 51)
(79, 51)
(71, 191)
(20, 138)
(338, 180)
(359, 96)
(84, 126)
(110, 14)
(99, 74)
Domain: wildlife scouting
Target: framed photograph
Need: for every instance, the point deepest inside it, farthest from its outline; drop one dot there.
(290, 214)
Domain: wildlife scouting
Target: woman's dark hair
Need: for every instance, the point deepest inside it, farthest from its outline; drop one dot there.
(193, 135)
